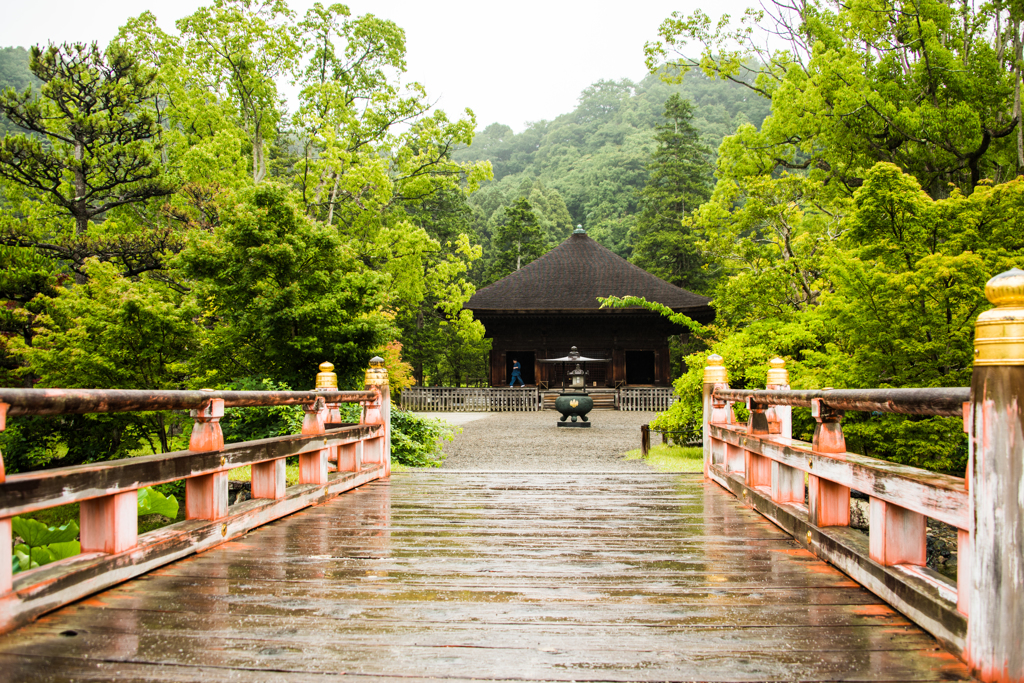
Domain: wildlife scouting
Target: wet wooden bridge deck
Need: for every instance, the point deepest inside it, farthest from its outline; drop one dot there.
(491, 576)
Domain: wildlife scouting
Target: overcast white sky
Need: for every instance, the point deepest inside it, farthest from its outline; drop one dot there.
(510, 62)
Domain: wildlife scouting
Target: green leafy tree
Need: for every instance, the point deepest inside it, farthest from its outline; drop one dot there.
(282, 293)
(680, 180)
(516, 240)
(114, 332)
(237, 49)
(858, 84)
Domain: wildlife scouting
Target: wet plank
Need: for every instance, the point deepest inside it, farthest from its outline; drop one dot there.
(525, 577)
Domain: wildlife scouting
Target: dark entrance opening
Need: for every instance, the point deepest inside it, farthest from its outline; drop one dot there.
(525, 359)
(639, 367)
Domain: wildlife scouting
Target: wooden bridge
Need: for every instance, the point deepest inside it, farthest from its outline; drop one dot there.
(733, 575)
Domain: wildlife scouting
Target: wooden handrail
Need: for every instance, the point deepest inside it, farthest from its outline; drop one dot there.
(79, 401)
(107, 492)
(981, 615)
(944, 401)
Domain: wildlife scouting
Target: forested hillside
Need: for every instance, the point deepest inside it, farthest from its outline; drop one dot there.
(588, 166)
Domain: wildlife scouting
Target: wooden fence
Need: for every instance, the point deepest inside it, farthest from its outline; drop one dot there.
(470, 399)
(981, 614)
(333, 458)
(654, 399)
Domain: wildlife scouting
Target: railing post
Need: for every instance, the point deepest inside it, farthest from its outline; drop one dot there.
(6, 539)
(378, 412)
(757, 468)
(715, 375)
(995, 625)
(787, 482)
(645, 439)
(313, 465)
(206, 496)
(828, 503)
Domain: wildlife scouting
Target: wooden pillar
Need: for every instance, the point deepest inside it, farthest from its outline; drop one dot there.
(757, 467)
(6, 539)
(645, 439)
(829, 503)
(715, 375)
(378, 412)
(268, 479)
(313, 464)
(110, 524)
(995, 625)
(787, 482)
(206, 495)
(898, 535)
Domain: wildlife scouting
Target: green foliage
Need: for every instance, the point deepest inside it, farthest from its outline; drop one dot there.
(152, 502)
(596, 158)
(680, 181)
(94, 150)
(249, 424)
(282, 293)
(42, 544)
(517, 240)
(15, 74)
(416, 441)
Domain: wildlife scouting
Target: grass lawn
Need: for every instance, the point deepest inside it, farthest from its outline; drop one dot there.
(665, 458)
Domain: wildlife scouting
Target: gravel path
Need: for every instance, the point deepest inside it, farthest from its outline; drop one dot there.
(531, 442)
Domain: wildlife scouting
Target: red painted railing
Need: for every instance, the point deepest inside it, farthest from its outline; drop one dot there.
(111, 548)
(981, 614)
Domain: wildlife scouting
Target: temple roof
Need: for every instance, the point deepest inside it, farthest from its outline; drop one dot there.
(573, 275)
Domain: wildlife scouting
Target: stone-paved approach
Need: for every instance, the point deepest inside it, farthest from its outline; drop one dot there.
(531, 442)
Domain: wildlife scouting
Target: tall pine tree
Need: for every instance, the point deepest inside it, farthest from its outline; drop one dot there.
(516, 240)
(680, 181)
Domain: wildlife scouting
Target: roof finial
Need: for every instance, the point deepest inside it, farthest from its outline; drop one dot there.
(579, 230)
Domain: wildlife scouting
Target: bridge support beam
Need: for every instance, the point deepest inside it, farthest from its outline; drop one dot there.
(995, 630)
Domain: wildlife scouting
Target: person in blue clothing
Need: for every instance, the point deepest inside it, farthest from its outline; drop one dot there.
(516, 374)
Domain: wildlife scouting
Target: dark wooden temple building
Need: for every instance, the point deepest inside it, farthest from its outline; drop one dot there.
(550, 305)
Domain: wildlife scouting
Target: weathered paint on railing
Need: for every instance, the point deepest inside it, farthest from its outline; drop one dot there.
(471, 399)
(112, 550)
(981, 615)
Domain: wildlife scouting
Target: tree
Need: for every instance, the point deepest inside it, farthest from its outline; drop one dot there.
(237, 48)
(282, 293)
(930, 86)
(516, 240)
(113, 332)
(96, 151)
(14, 73)
(680, 180)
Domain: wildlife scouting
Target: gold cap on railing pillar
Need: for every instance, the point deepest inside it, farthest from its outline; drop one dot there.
(376, 374)
(714, 371)
(778, 373)
(999, 333)
(326, 379)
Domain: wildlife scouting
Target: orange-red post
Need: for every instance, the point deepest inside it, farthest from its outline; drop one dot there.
(828, 502)
(206, 495)
(313, 465)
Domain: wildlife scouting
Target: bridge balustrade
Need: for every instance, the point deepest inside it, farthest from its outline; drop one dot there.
(112, 549)
(805, 487)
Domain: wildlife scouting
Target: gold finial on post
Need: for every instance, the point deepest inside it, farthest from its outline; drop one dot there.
(714, 371)
(326, 379)
(999, 332)
(778, 374)
(377, 374)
